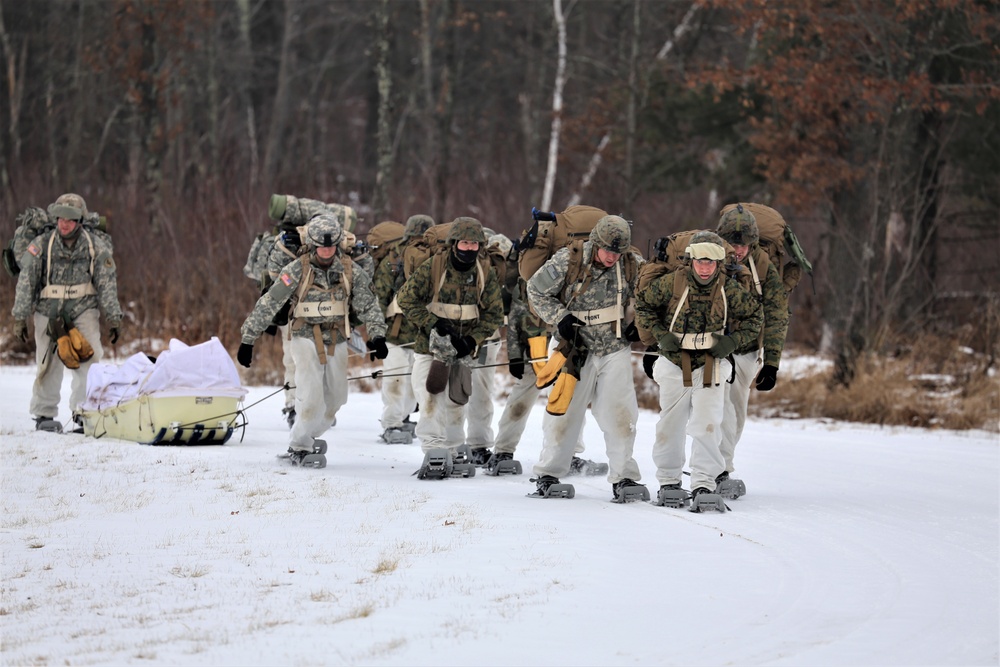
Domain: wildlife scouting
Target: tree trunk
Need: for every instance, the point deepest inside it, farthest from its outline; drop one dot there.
(445, 107)
(282, 96)
(383, 77)
(557, 106)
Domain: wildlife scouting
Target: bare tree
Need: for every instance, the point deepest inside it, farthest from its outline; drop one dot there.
(557, 105)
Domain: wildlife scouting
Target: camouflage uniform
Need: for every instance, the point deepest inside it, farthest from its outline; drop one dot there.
(49, 263)
(318, 335)
(440, 424)
(608, 362)
(739, 227)
(696, 410)
(398, 399)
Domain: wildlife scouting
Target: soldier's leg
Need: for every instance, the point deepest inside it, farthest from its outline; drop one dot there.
(561, 434)
(88, 323)
(288, 363)
(398, 389)
(704, 428)
(431, 426)
(514, 418)
(335, 382)
(310, 405)
(737, 395)
(671, 427)
(479, 427)
(45, 391)
(616, 410)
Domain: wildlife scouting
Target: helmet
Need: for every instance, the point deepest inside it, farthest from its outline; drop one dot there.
(69, 206)
(416, 225)
(706, 245)
(324, 230)
(612, 233)
(502, 242)
(466, 229)
(738, 226)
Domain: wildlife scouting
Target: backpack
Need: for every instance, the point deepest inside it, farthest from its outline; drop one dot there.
(381, 238)
(551, 232)
(434, 240)
(780, 243)
(34, 221)
(670, 255)
(256, 264)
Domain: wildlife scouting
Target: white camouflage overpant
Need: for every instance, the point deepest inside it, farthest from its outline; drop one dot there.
(45, 391)
(523, 397)
(321, 391)
(694, 411)
(398, 400)
(289, 365)
(606, 385)
(734, 415)
(479, 410)
(440, 423)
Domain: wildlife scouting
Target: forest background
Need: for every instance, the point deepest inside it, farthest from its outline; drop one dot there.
(873, 126)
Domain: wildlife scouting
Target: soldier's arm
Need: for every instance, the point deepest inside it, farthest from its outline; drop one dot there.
(745, 307)
(106, 282)
(545, 286)
(414, 296)
(271, 302)
(651, 302)
(776, 317)
(365, 303)
(27, 281)
(383, 283)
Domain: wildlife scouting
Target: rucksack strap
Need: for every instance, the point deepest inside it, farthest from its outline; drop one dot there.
(50, 291)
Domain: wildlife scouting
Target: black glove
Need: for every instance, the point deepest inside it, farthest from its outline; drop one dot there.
(632, 333)
(445, 329)
(766, 378)
(648, 360)
(21, 330)
(724, 346)
(272, 330)
(378, 347)
(516, 367)
(668, 343)
(245, 355)
(463, 345)
(569, 328)
(114, 333)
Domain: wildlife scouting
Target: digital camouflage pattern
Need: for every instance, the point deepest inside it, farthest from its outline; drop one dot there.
(738, 226)
(416, 225)
(522, 324)
(467, 229)
(70, 266)
(655, 305)
(389, 279)
(548, 296)
(69, 206)
(612, 233)
(362, 302)
(775, 303)
(460, 287)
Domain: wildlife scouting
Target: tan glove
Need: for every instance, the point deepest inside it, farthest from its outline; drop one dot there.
(80, 345)
(538, 348)
(550, 371)
(561, 395)
(67, 353)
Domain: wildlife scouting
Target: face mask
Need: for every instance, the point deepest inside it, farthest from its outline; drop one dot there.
(464, 259)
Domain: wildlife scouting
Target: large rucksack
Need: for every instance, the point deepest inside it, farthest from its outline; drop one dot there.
(780, 243)
(34, 221)
(554, 231)
(256, 264)
(382, 237)
(434, 240)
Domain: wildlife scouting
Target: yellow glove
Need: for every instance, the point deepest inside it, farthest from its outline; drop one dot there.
(80, 345)
(538, 348)
(67, 353)
(561, 395)
(550, 371)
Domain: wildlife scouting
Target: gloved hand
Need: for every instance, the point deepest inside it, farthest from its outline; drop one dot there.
(632, 333)
(648, 360)
(569, 328)
(445, 329)
(271, 330)
(766, 378)
(245, 355)
(463, 345)
(21, 330)
(668, 343)
(724, 346)
(516, 367)
(114, 333)
(378, 347)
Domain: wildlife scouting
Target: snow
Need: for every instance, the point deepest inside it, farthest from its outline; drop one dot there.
(855, 545)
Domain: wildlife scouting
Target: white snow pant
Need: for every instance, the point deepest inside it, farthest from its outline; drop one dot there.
(321, 390)
(45, 392)
(694, 411)
(734, 415)
(289, 365)
(440, 423)
(606, 385)
(398, 400)
(522, 398)
(479, 410)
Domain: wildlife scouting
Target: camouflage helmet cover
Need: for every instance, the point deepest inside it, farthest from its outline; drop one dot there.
(738, 226)
(69, 206)
(416, 225)
(612, 233)
(466, 229)
(325, 231)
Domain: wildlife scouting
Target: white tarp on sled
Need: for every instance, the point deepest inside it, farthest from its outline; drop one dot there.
(190, 395)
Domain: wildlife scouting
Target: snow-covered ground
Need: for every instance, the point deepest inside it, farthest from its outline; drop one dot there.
(855, 545)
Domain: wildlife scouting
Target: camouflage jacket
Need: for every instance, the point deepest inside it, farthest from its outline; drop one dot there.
(656, 303)
(552, 298)
(326, 283)
(388, 280)
(775, 301)
(87, 261)
(278, 258)
(522, 324)
(461, 288)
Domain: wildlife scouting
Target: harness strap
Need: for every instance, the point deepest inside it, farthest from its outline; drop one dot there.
(67, 291)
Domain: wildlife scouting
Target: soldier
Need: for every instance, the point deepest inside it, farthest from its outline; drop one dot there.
(66, 274)
(587, 304)
(454, 301)
(691, 313)
(739, 227)
(323, 290)
(398, 399)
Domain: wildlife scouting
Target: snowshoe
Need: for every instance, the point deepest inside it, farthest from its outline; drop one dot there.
(437, 465)
(703, 500)
(479, 456)
(627, 491)
(289, 416)
(580, 466)
(729, 488)
(548, 486)
(306, 459)
(672, 495)
(409, 426)
(502, 463)
(47, 424)
(462, 465)
(397, 436)
(78, 421)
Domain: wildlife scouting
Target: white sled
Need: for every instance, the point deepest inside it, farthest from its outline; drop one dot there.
(188, 396)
